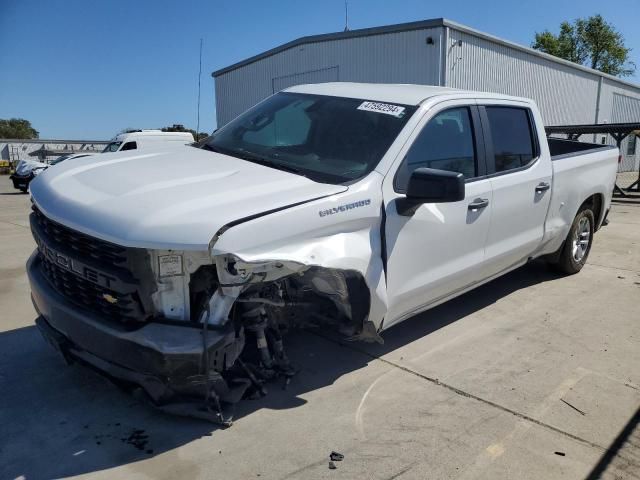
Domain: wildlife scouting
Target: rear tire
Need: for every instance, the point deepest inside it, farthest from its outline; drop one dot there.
(577, 244)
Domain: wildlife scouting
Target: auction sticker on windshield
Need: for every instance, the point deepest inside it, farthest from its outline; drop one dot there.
(387, 108)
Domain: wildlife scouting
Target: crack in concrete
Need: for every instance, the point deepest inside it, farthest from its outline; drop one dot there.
(624, 204)
(464, 393)
(611, 267)
(14, 224)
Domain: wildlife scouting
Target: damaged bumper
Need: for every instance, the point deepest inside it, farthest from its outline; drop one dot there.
(164, 359)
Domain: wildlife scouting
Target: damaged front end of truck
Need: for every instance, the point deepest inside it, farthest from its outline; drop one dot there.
(196, 332)
(260, 302)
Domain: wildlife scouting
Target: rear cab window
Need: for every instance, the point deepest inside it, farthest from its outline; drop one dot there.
(512, 138)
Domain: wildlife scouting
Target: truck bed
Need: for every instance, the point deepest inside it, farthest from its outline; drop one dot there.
(561, 148)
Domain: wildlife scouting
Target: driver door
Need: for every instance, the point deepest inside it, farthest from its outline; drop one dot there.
(439, 249)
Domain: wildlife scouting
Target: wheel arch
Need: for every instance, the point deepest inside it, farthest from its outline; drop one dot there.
(595, 203)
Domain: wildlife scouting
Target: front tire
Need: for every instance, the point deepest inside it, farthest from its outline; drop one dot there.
(578, 243)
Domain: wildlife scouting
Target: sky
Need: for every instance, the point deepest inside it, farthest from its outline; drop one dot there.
(87, 69)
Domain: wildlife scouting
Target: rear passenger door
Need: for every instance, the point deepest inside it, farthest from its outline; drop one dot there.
(521, 182)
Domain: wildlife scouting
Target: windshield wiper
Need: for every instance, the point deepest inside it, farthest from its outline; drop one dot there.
(280, 166)
(251, 157)
(206, 146)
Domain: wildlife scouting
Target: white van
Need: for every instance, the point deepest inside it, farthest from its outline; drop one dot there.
(147, 138)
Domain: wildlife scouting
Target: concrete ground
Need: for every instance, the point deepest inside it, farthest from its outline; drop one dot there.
(534, 375)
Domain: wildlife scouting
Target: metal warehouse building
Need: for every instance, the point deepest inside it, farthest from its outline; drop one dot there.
(435, 52)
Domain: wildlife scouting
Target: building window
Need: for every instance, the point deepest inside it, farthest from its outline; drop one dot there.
(631, 144)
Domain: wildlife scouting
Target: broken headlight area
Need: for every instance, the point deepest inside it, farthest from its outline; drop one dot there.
(260, 302)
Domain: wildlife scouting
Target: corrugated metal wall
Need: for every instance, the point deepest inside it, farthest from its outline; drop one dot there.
(565, 95)
(622, 104)
(330, 74)
(611, 88)
(402, 57)
(625, 108)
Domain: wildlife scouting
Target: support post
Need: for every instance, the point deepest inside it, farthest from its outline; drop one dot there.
(619, 137)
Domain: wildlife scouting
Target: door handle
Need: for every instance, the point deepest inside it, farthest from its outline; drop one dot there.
(542, 187)
(477, 204)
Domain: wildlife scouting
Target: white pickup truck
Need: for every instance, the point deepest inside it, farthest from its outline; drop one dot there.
(352, 206)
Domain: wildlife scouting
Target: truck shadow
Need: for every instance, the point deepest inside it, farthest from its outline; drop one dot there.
(60, 421)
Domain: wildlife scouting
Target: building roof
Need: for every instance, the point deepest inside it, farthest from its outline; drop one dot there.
(362, 32)
(405, 27)
(404, 94)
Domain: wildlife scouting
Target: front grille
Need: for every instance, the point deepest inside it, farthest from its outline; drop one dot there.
(117, 300)
(83, 245)
(91, 296)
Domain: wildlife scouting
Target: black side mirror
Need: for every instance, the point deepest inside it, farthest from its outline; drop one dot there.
(428, 185)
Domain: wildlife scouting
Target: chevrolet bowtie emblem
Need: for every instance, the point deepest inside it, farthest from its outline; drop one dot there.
(109, 298)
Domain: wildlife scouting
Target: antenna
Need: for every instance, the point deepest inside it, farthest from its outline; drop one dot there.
(199, 77)
(346, 16)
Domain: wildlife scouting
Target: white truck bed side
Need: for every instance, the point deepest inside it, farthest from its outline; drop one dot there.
(576, 177)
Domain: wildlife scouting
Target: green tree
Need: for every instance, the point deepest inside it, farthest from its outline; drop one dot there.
(181, 128)
(17, 128)
(591, 42)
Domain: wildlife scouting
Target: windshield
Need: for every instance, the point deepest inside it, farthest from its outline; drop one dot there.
(328, 139)
(112, 147)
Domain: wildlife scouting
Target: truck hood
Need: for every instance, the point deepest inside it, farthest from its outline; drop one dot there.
(171, 199)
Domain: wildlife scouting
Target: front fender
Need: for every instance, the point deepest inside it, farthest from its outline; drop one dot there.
(340, 232)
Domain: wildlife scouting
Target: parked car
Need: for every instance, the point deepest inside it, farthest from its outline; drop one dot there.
(27, 170)
(147, 139)
(347, 206)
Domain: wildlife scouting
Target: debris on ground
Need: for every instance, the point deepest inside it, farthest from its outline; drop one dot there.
(562, 454)
(575, 408)
(138, 438)
(336, 457)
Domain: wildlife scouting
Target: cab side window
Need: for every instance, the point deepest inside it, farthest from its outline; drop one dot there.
(512, 137)
(445, 143)
(129, 146)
